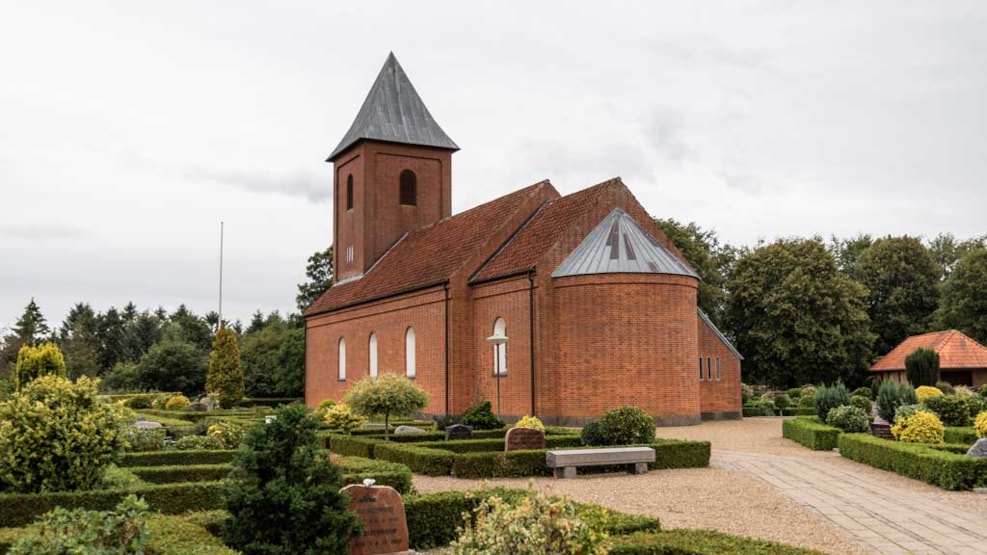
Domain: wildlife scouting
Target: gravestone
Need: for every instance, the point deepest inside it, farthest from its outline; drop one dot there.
(518, 439)
(147, 425)
(979, 449)
(459, 431)
(401, 430)
(385, 527)
(880, 428)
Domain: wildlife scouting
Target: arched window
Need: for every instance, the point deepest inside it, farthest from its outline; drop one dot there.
(373, 355)
(409, 188)
(349, 192)
(500, 351)
(342, 359)
(409, 352)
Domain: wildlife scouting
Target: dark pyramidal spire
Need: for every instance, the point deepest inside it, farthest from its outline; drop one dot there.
(394, 112)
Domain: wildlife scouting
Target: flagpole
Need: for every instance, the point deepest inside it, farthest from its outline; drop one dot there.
(220, 323)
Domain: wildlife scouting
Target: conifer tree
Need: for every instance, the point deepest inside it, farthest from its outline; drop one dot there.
(225, 377)
(34, 362)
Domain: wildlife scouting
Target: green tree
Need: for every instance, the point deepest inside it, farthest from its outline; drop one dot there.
(78, 341)
(111, 336)
(847, 252)
(31, 326)
(711, 260)
(797, 318)
(319, 273)
(283, 496)
(225, 377)
(34, 362)
(192, 329)
(273, 356)
(386, 394)
(902, 280)
(173, 366)
(963, 304)
(947, 251)
(56, 435)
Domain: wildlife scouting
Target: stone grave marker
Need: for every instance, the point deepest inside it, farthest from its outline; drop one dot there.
(459, 431)
(979, 449)
(385, 527)
(524, 438)
(401, 430)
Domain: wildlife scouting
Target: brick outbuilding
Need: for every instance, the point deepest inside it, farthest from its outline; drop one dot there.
(598, 306)
(962, 361)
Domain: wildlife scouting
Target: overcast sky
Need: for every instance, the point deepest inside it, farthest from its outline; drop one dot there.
(129, 129)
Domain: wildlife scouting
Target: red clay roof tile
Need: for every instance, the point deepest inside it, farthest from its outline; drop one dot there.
(956, 350)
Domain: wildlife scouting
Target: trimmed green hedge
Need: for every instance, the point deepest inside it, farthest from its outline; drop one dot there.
(356, 469)
(421, 460)
(811, 432)
(798, 411)
(272, 402)
(434, 518)
(20, 509)
(966, 435)
(182, 473)
(914, 460)
(169, 535)
(172, 458)
(699, 542)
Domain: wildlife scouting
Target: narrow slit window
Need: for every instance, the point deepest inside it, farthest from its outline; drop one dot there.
(408, 183)
(349, 192)
(500, 351)
(709, 369)
(373, 355)
(700, 368)
(342, 360)
(718, 375)
(409, 353)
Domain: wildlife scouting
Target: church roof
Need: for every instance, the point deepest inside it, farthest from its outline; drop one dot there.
(719, 334)
(429, 256)
(956, 351)
(394, 112)
(619, 245)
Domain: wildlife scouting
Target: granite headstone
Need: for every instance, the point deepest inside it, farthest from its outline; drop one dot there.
(979, 449)
(401, 430)
(518, 439)
(459, 431)
(385, 527)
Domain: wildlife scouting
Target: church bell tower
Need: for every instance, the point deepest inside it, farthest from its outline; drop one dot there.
(392, 174)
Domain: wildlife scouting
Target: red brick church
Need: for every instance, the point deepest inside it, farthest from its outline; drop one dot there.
(597, 305)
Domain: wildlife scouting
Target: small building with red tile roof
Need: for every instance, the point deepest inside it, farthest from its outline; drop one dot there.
(597, 305)
(962, 361)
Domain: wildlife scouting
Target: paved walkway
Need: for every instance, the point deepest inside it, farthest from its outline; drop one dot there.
(882, 517)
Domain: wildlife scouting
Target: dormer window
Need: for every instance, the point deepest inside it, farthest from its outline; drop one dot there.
(408, 183)
(349, 192)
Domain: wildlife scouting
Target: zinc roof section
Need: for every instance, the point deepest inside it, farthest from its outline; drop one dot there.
(619, 245)
(394, 112)
(719, 334)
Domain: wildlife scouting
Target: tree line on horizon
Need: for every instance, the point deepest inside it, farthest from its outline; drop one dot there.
(133, 349)
(800, 310)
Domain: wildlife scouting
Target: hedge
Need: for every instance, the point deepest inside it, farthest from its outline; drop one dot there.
(937, 467)
(169, 535)
(421, 460)
(272, 402)
(182, 473)
(433, 519)
(699, 542)
(811, 432)
(798, 411)
(172, 458)
(966, 435)
(20, 509)
(356, 469)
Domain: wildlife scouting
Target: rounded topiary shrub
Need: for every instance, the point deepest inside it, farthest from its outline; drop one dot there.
(341, 417)
(808, 391)
(481, 417)
(980, 423)
(951, 409)
(808, 401)
(904, 411)
(229, 434)
(782, 401)
(862, 392)
(925, 392)
(178, 402)
(849, 419)
(862, 403)
(139, 402)
(627, 425)
(794, 393)
(946, 388)
(56, 435)
(531, 422)
(43, 360)
(921, 427)
(590, 434)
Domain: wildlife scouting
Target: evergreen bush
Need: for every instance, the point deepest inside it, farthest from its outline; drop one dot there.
(888, 400)
(849, 419)
(980, 424)
(946, 387)
(340, 417)
(627, 425)
(808, 401)
(590, 434)
(229, 434)
(196, 443)
(862, 403)
(531, 422)
(864, 392)
(828, 398)
(481, 417)
(975, 404)
(921, 427)
(794, 393)
(177, 402)
(952, 410)
(225, 376)
(123, 531)
(904, 411)
(922, 367)
(56, 435)
(33, 362)
(284, 499)
(926, 392)
(782, 401)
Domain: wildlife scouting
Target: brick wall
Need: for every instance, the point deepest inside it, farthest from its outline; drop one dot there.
(719, 398)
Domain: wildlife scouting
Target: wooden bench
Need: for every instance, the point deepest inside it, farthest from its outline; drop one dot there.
(564, 463)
